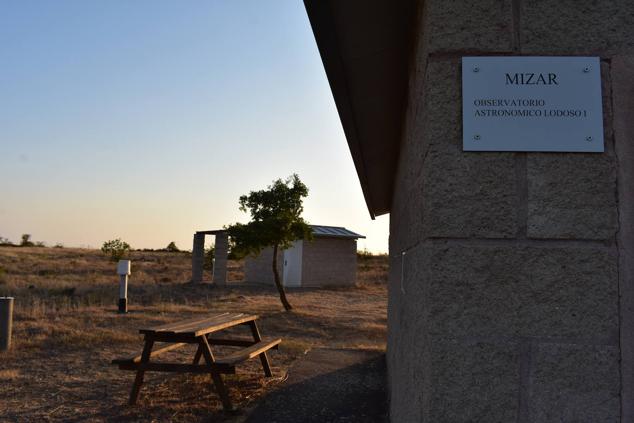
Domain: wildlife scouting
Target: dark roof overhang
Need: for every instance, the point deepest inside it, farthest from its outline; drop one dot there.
(364, 46)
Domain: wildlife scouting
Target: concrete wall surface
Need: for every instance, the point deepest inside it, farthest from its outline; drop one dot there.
(325, 261)
(259, 269)
(329, 261)
(511, 296)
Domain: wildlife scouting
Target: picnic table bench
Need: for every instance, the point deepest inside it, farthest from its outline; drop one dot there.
(164, 338)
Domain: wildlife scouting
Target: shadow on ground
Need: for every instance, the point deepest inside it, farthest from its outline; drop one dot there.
(329, 385)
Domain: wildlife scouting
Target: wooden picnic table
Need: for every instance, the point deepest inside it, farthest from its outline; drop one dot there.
(163, 338)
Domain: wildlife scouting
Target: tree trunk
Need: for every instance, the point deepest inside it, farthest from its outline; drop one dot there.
(278, 283)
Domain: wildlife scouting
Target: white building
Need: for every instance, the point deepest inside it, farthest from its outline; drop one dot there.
(330, 259)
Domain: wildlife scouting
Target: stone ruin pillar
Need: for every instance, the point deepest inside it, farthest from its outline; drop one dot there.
(221, 252)
(198, 257)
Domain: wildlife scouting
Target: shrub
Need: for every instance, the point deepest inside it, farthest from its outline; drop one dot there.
(364, 254)
(26, 241)
(116, 248)
(231, 255)
(208, 264)
(172, 248)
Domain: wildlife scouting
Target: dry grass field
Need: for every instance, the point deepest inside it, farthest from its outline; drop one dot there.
(66, 331)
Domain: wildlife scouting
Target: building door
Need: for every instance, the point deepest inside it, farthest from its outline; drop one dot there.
(293, 265)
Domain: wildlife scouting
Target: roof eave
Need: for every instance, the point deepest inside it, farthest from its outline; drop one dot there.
(364, 47)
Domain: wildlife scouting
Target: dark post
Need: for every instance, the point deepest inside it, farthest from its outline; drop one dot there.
(6, 322)
(198, 257)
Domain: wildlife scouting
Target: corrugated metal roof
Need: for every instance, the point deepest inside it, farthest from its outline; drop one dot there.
(318, 230)
(334, 231)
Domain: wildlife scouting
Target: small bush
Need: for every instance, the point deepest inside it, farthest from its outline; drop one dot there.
(26, 241)
(208, 264)
(116, 248)
(172, 248)
(231, 255)
(364, 254)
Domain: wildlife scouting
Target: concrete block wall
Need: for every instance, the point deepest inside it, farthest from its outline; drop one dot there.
(221, 252)
(511, 292)
(325, 261)
(329, 261)
(259, 269)
(198, 257)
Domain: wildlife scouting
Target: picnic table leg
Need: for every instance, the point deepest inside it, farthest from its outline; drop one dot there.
(138, 381)
(215, 375)
(199, 353)
(263, 357)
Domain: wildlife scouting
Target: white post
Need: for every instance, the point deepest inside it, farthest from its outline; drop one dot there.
(123, 269)
(6, 322)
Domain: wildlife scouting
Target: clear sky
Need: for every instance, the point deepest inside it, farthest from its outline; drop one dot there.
(146, 120)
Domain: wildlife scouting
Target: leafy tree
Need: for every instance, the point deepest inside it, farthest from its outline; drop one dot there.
(26, 241)
(275, 222)
(116, 248)
(172, 248)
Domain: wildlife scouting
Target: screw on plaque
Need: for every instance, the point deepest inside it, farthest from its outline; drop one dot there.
(476, 69)
(588, 139)
(476, 137)
(586, 69)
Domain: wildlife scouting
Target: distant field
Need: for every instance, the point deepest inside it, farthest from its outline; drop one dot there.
(66, 331)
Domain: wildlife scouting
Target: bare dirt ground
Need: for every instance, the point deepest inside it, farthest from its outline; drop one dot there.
(67, 330)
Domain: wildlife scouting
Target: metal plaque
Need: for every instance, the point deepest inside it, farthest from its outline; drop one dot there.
(532, 104)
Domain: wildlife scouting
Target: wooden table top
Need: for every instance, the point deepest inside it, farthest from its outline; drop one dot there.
(201, 325)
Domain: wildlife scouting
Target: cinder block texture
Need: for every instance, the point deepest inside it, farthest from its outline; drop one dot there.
(505, 308)
(469, 196)
(465, 195)
(577, 26)
(623, 89)
(439, 120)
(486, 27)
(575, 383)
(325, 262)
(259, 269)
(474, 382)
(408, 354)
(458, 312)
(436, 377)
(198, 257)
(329, 261)
(572, 196)
(521, 291)
(221, 251)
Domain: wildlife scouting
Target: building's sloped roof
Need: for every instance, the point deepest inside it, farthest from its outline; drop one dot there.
(365, 47)
(334, 232)
(318, 231)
